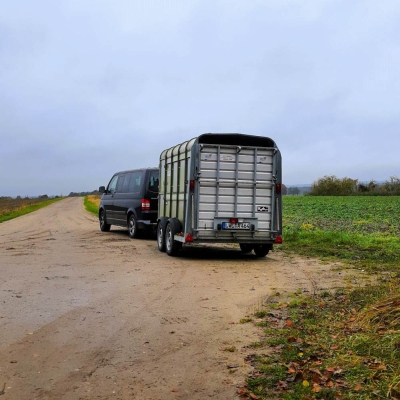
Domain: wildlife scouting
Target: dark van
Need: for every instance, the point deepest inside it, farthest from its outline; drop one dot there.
(130, 200)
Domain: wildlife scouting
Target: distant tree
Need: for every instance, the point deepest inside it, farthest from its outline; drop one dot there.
(369, 188)
(333, 186)
(390, 187)
(295, 191)
(43, 196)
(284, 190)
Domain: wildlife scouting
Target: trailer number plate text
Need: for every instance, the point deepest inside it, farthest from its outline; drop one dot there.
(239, 225)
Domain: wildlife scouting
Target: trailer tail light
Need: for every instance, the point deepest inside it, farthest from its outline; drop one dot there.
(189, 238)
(233, 220)
(278, 239)
(278, 188)
(191, 185)
(145, 205)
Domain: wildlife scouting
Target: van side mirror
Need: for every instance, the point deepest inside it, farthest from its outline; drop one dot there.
(102, 189)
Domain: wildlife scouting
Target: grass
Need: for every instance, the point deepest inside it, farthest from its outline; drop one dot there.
(363, 231)
(91, 204)
(343, 344)
(13, 208)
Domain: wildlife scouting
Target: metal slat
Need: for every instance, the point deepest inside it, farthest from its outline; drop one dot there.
(273, 194)
(217, 181)
(255, 182)
(236, 179)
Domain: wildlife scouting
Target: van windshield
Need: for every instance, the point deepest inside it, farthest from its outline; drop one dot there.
(153, 181)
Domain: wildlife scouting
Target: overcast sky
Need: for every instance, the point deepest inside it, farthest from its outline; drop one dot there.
(91, 87)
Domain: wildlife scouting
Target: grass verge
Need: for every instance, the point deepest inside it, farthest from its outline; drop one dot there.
(23, 208)
(91, 204)
(333, 346)
(343, 344)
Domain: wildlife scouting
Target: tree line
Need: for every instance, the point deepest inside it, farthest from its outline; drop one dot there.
(333, 186)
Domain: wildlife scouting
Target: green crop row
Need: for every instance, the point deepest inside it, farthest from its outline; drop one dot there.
(360, 230)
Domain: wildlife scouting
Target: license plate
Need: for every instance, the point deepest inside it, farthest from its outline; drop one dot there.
(239, 225)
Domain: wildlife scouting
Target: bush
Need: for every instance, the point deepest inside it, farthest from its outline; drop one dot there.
(333, 186)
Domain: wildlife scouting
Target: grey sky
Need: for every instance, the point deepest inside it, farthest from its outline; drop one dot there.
(88, 88)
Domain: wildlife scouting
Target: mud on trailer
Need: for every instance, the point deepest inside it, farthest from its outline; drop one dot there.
(221, 188)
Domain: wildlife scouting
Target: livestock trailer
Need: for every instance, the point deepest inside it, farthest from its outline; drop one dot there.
(221, 188)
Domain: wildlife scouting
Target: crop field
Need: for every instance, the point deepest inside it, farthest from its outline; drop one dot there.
(364, 215)
(11, 208)
(337, 344)
(363, 230)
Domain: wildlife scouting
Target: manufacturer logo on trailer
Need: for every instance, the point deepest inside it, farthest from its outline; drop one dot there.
(262, 208)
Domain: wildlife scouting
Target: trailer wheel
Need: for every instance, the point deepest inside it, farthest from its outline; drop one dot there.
(172, 228)
(162, 223)
(261, 250)
(246, 247)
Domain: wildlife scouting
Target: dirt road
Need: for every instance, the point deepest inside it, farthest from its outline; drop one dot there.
(92, 315)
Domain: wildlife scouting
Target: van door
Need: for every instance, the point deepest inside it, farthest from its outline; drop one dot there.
(108, 199)
(122, 199)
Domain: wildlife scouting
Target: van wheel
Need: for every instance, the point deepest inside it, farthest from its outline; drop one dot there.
(104, 227)
(246, 247)
(161, 233)
(172, 228)
(261, 250)
(132, 226)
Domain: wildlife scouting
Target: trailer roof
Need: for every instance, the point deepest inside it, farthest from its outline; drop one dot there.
(236, 139)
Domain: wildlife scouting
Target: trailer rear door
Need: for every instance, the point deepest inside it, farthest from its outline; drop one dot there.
(236, 185)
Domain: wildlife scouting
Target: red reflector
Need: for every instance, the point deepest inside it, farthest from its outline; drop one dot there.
(145, 204)
(189, 238)
(191, 185)
(233, 220)
(278, 188)
(278, 239)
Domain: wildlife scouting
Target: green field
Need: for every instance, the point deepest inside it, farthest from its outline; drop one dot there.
(344, 343)
(364, 230)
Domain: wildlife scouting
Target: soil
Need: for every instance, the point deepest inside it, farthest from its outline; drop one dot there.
(92, 315)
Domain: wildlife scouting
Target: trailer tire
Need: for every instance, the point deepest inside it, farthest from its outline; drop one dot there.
(162, 223)
(261, 250)
(246, 247)
(172, 228)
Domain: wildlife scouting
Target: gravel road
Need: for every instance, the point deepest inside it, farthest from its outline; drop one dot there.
(92, 315)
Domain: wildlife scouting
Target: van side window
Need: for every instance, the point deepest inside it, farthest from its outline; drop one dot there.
(112, 185)
(135, 181)
(125, 186)
(153, 181)
(120, 183)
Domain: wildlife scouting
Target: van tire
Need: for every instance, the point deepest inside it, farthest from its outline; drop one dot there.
(104, 227)
(133, 226)
(162, 223)
(261, 250)
(172, 228)
(246, 247)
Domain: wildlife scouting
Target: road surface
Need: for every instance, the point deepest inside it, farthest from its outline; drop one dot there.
(92, 315)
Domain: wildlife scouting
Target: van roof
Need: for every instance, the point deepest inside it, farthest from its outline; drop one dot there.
(138, 169)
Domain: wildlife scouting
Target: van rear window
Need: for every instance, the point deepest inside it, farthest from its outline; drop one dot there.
(134, 183)
(153, 181)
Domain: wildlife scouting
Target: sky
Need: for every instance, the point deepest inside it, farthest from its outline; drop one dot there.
(92, 87)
